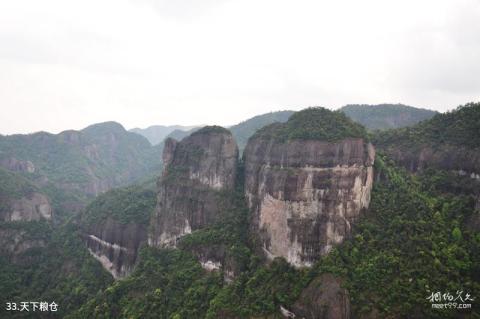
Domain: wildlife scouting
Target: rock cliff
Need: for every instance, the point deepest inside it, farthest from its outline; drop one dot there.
(116, 245)
(448, 141)
(323, 298)
(34, 206)
(20, 200)
(305, 193)
(114, 226)
(195, 171)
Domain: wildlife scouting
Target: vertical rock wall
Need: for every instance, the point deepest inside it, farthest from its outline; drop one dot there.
(195, 170)
(304, 195)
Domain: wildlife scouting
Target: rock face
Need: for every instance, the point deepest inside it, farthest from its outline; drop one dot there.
(305, 194)
(216, 258)
(447, 157)
(324, 298)
(34, 206)
(15, 242)
(195, 171)
(17, 165)
(115, 245)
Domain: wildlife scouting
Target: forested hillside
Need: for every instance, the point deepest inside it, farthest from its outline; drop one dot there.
(318, 219)
(386, 116)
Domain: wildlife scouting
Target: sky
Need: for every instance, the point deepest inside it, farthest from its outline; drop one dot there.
(67, 64)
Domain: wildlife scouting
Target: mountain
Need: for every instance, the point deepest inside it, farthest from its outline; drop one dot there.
(157, 133)
(80, 164)
(320, 219)
(307, 181)
(241, 131)
(326, 233)
(244, 130)
(114, 226)
(386, 116)
(448, 141)
(181, 134)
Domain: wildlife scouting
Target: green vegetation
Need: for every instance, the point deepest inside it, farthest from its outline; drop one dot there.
(314, 124)
(13, 186)
(244, 130)
(260, 292)
(211, 129)
(74, 161)
(132, 204)
(57, 267)
(459, 127)
(412, 242)
(386, 116)
(409, 245)
(165, 284)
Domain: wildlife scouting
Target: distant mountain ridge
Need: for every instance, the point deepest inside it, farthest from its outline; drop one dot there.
(386, 116)
(244, 130)
(155, 134)
(80, 164)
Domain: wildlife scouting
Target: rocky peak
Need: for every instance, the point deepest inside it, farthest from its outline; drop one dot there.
(207, 156)
(306, 181)
(168, 152)
(196, 170)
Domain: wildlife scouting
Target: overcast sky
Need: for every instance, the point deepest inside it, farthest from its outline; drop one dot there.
(67, 64)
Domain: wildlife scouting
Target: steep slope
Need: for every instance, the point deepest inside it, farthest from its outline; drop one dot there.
(81, 164)
(413, 240)
(195, 170)
(157, 133)
(306, 182)
(47, 264)
(244, 130)
(114, 226)
(386, 116)
(448, 141)
(20, 200)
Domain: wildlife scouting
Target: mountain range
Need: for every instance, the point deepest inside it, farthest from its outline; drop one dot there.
(363, 212)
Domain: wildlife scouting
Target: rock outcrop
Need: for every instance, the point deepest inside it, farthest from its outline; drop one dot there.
(114, 226)
(415, 158)
(324, 298)
(14, 241)
(217, 258)
(16, 165)
(34, 206)
(305, 193)
(115, 245)
(196, 170)
(21, 200)
(448, 141)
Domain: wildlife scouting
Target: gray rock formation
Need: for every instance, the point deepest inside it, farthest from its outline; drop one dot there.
(34, 206)
(14, 242)
(195, 171)
(115, 245)
(447, 157)
(324, 298)
(216, 258)
(16, 165)
(305, 195)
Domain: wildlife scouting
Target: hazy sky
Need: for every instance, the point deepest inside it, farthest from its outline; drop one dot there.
(67, 64)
